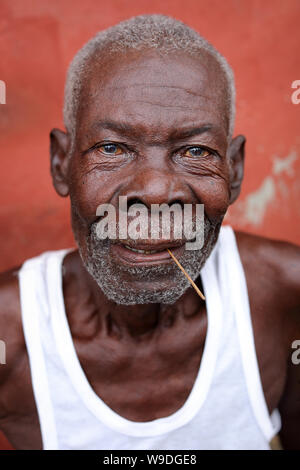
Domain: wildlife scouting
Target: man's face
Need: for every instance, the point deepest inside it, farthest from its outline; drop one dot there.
(153, 129)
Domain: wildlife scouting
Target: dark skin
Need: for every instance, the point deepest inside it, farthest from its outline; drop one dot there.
(113, 342)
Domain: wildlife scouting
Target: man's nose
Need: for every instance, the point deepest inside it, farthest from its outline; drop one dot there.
(150, 186)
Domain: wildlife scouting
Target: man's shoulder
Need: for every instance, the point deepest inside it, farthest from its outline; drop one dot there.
(11, 332)
(9, 294)
(272, 266)
(9, 290)
(281, 259)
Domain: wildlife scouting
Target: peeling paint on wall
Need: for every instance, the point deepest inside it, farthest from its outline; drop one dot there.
(278, 186)
(253, 208)
(283, 188)
(285, 164)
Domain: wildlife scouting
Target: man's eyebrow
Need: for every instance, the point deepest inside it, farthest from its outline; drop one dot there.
(180, 134)
(177, 134)
(117, 126)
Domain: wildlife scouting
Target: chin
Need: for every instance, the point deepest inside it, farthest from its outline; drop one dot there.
(126, 295)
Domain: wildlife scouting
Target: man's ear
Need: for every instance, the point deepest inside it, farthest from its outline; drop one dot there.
(59, 144)
(236, 153)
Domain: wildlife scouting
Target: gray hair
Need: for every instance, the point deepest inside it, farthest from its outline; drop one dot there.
(141, 32)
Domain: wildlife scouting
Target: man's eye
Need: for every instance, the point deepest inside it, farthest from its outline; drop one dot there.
(110, 149)
(195, 152)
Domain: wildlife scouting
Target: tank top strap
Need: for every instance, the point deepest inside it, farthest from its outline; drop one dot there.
(237, 289)
(33, 300)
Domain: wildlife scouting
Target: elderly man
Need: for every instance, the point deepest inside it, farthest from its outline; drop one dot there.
(109, 346)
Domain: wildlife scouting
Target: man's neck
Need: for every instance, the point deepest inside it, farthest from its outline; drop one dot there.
(88, 305)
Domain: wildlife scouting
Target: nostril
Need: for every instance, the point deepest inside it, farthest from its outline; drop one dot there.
(135, 200)
(177, 201)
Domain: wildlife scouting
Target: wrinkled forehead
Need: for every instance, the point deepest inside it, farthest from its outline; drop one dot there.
(154, 90)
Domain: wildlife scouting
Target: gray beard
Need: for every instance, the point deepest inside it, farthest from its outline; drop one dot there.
(109, 275)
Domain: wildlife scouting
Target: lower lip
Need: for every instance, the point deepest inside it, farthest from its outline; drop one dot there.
(133, 258)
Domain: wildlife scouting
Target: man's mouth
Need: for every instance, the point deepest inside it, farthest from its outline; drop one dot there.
(145, 254)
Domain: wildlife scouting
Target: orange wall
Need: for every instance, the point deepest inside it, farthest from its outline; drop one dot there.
(260, 38)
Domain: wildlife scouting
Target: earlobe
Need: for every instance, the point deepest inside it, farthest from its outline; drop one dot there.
(59, 144)
(236, 155)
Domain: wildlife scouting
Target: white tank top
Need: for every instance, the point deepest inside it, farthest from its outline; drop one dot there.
(225, 409)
